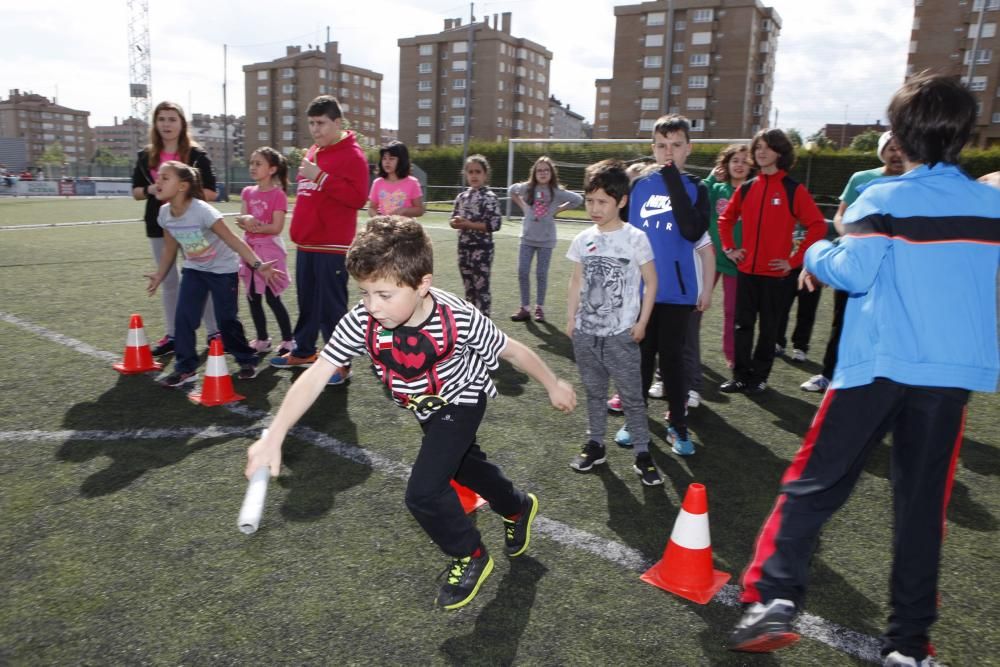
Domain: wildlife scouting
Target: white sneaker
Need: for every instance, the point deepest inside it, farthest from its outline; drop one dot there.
(261, 346)
(798, 355)
(816, 383)
(694, 399)
(897, 659)
(656, 389)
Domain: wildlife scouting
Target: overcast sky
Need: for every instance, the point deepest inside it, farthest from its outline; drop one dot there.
(836, 59)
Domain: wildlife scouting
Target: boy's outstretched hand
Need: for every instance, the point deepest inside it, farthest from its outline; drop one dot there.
(562, 396)
(263, 453)
(271, 274)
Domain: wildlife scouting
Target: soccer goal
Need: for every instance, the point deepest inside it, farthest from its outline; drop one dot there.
(572, 156)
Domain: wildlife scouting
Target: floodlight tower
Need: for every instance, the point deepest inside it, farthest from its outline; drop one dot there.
(140, 85)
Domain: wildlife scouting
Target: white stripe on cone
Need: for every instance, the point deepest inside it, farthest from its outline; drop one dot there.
(216, 366)
(691, 531)
(136, 338)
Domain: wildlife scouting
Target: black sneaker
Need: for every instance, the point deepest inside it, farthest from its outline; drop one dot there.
(247, 371)
(465, 576)
(593, 454)
(178, 378)
(646, 470)
(164, 346)
(764, 627)
(756, 388)
(733, 386)
(517, 534)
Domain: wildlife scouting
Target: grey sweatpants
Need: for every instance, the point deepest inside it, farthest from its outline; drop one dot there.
(617, 358)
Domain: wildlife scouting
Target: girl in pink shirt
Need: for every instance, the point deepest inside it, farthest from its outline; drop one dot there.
(395, 192)
(263, 218)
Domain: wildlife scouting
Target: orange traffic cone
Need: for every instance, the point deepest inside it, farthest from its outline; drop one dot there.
(471, 501)
(217, 387)
(686, 567)
(137, 358)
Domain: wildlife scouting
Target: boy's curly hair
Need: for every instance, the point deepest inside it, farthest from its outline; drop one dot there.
(391, 247)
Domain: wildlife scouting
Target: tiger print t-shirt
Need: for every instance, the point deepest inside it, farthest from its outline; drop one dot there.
(611, 288)
(446, 359)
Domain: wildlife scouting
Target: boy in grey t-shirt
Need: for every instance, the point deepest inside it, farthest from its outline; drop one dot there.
(607, 311)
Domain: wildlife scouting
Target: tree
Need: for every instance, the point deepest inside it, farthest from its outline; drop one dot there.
(53, 155)
(795, 137)
(103, 157)
(866, 141)
(818, 139)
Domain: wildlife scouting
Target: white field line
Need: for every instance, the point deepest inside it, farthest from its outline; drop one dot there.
(850, 642)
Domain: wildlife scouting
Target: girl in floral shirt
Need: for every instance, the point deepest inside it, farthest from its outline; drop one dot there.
(476, 216)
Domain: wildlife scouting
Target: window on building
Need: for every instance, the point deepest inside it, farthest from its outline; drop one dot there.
(262, 90)
(765, 47)
(701, 38)
(262, 75)
(519, 107)
(457, 139)
(767, 25)
(287, 73)
(424, 68)
(650, 82)
(263, 136)
(699, 81)
(499, 85)
(541, 78)
(357, 79)
(678, 46)
(289, 120)
(680, 25)
(458, 84)
(656, 18)
(426, 49)
(996, 117)
(287, 104)
(262, 105)
(500, 103)
(423, 138)
(652, 62)
(989, 30)
(603, 103)
(647, 124)
(322, 74)
(288, 135)
(522, 53)
(758, 89)
(518, 124)
(654, 41)
(459, 47)
(702, 16)
(345, 77)
(458, 103)
(262, 121)
(344, 93)
(459, 65)
(288, 89)
(697, 124)
(675, 90)
(696, 103)
(424, 103)
(978, 83)
(983, 56)
(699, 60)
(423, 85)
(649, 104)
(990, 5)
(677, 68)
(457, 121)
(605, 89)
(758, 109)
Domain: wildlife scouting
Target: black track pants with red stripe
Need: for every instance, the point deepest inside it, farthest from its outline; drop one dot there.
(926, 423)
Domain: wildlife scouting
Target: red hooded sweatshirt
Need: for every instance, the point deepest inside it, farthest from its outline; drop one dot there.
(325, 217)
(768, 223)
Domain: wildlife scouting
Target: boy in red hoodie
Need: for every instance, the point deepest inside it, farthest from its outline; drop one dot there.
(332, 187)
(769, 205)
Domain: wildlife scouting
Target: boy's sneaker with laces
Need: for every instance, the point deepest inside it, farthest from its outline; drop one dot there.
(755, 388)
(646, 470)
(615, 404)
(764, 627)
(163, 346)
(656, 389)
(177, 378)
(623, 438)
(733, 386)
(247, 371)
(340, 376)
(798, 355)
(539, 314)
(680, 446)
(694, 399)
(522, 315)
(816, 383)
(465, 576)
(897, 659)
(286, 347)
(593, 454)
(261, 345)
(291, 361)
(517, 533)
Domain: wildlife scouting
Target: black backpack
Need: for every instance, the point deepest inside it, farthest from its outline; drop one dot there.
(791, 185)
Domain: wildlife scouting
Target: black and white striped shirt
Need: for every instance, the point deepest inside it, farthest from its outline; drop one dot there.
(446, 359)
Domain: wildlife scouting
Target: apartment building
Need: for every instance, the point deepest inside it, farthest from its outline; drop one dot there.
(960, 37)
(122, 139)
(210, 132)
(710, 60)
(279, 91)
(564, 123)
(502, 82)
(41, 123)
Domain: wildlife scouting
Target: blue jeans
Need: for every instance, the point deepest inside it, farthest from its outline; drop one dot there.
(321, 285)
(195, 287)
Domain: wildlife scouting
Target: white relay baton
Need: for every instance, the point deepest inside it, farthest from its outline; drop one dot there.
(253, 501)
